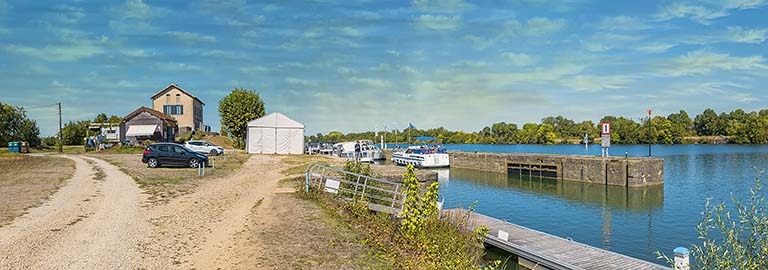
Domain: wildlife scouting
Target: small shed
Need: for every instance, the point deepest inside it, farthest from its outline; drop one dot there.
(275, 133)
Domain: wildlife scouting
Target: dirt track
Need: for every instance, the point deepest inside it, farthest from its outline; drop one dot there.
(87, 224)
(107, 224)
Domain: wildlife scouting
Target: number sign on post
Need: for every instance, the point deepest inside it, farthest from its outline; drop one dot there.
(605, 134)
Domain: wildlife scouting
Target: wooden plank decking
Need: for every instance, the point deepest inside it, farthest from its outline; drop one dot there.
(549, 251)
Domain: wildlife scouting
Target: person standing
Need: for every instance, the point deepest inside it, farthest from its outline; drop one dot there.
(357, 151)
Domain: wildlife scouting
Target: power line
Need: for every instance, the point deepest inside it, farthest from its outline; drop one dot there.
(38, 107)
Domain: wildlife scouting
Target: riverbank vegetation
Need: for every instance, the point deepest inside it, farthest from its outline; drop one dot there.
(417, 240)
(738, 127)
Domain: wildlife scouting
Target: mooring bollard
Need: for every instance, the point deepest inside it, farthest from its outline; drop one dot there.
(682, 261)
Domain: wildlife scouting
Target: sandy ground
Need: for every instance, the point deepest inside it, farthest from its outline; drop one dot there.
(243, 221)
(87, 224)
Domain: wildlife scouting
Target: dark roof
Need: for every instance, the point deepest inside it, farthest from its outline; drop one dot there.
(174, 86)
(154, 113)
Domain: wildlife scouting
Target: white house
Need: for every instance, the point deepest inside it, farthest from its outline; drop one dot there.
(275, 133)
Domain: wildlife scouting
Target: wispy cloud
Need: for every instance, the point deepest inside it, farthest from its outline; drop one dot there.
(301, 82)
(138, 53)
(744, 4)
(137, 9)
(190, 37)
(518, 59)
(704, 62)
(698, 14)
(537, 26)
(178, 67)
(253, 70)
(445, 6)
(753, 36)
(67, 14)
(439, 22)
(71, 51)
(370, 82)
(654, 47)
(595, 83)
(622, 23)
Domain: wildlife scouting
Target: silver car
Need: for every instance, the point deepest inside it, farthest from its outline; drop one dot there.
(204, 147)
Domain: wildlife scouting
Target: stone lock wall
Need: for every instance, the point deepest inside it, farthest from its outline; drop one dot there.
(616, 171)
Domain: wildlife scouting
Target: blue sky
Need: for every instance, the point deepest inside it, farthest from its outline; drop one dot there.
(358, 65)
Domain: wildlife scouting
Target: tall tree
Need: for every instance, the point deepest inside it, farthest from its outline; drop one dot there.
(74, 132)
(236, 109)
(15, 126)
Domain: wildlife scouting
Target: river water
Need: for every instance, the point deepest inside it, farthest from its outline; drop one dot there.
(632, 221)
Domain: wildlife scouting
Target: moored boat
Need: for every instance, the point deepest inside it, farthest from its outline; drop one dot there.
(422, 157)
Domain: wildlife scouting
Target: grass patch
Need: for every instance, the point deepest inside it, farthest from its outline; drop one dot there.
(300, 162)
(26, 181)
(98, 171)
(163, 184)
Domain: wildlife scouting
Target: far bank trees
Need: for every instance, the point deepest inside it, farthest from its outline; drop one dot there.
(738, 126)
(236, 109)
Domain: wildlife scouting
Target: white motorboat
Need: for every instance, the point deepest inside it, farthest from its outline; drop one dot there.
(347, 150)
(372, 150)
(422, 157)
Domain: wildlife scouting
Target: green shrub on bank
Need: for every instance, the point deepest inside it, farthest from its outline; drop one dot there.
(420, 239)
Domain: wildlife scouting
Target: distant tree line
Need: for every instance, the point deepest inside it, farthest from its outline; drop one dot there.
(738, 127)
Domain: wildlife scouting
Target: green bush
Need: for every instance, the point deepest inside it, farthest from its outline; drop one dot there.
(731, 241)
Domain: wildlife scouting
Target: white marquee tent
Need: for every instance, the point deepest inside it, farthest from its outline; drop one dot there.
(275, 133)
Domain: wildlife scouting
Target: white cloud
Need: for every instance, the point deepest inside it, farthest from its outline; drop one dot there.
(72, 51)
(138, 53)
(409, 70)
(622, 23)
(301, 82)
(189, 37)
(698, 14)
(4, 31)
(69, 14)
(703, 62)
(600, 42)
(178, 67)
(744, 4)
(593, 83)
(223, 54)
(519, 59)
(537, 26)
(438, 22)
(743, 97)
(366, 15)
(445, 6)
(753, 36)
(654, 47)
(137, 9)
(370, 82)
(131, 27)
(253, 70)
(350, 31)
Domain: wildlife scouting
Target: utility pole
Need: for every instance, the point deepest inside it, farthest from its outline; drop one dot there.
(61, 143)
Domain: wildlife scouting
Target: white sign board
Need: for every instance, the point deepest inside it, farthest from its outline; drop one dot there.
(606, 141)
(503, 235)
(332, 186)
(605, 128)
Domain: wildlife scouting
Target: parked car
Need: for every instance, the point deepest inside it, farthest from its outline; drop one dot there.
(205, 147)
(172, 154)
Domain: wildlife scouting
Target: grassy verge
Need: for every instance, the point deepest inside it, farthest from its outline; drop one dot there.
(163, 184)
(417, 240)
(26, 181)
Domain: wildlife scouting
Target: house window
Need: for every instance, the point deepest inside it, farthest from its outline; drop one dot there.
(178, 98)
(173, 109)
(167, 98)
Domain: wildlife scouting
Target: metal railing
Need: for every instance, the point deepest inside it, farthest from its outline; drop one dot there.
(381, 195)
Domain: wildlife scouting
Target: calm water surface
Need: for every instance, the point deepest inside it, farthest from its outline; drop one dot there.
(636, 221)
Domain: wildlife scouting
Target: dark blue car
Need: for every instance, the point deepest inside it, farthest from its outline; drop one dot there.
(172, 154)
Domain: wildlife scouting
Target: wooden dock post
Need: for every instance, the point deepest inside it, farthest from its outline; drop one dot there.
(682, 261)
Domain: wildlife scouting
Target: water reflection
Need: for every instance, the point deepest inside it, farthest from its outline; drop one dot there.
(614, 197)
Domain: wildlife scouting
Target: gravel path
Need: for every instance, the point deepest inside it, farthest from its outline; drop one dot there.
(106, 222)
(87, 224)
(207, 228)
